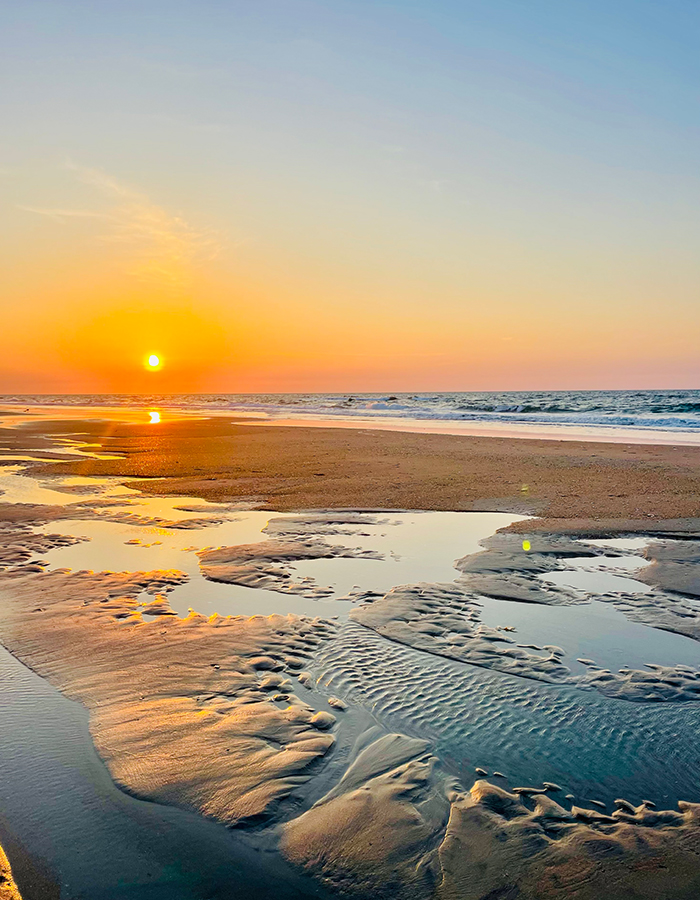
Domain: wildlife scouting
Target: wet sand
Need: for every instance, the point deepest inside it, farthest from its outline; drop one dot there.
(207, 713)
(294, 468)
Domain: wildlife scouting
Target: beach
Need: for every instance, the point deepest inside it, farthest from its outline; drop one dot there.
(350, 451)
(367, 652)
(287, 468)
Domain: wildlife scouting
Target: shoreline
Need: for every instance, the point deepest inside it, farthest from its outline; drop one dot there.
(603, 434)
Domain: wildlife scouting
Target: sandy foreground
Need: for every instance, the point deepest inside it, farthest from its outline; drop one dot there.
(222, 690)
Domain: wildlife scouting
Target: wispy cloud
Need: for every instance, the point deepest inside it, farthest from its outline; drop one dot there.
(159, 245)
(59, 215)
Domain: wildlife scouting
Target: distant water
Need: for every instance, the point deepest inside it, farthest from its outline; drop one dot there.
(669, 411)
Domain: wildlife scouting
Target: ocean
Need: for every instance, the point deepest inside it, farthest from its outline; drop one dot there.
(670, 411)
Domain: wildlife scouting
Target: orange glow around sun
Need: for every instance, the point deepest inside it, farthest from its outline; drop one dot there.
(153, 361)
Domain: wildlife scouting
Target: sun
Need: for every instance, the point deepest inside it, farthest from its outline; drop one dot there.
(153, 361)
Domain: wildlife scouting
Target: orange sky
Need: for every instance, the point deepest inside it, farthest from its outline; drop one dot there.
(274, 201)
(86, 321)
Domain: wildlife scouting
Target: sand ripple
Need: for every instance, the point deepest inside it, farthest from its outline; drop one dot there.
(596, 746)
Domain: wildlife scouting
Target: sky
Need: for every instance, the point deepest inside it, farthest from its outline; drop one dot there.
(349, 195)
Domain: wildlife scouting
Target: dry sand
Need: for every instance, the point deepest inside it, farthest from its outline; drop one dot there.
(288, 468)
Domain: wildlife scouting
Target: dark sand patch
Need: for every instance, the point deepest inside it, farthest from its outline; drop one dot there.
(506, 570)
(316, 525)
(444, 619)
(17, 547)
(108, 510)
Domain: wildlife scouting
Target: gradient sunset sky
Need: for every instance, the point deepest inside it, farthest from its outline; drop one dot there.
(286, 195)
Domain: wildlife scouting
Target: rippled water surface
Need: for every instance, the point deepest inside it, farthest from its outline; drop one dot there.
(595, 747)
(668, 416)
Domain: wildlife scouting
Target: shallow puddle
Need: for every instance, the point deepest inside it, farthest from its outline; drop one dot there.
(595, 631)
(415, 547)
